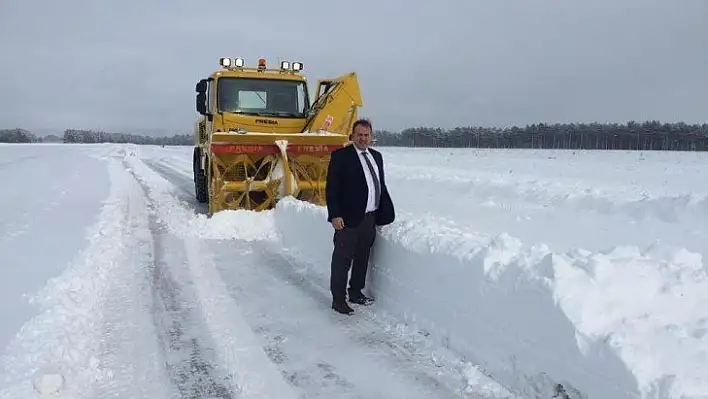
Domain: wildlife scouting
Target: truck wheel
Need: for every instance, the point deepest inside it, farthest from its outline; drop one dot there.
(200, 180)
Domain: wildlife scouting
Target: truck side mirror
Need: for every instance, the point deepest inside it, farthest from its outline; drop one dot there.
(201, 103)
(201, 86)
(201, 89)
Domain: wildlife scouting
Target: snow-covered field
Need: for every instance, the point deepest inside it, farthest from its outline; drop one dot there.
(508, 274)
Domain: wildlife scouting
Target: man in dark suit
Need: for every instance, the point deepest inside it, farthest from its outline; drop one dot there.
(357, 201)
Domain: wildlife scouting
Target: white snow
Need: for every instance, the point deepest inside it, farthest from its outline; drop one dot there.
(505, 271)
(78, 329)
(609, 318)
(45, 194)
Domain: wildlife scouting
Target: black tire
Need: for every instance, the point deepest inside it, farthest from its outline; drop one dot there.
(200, 181)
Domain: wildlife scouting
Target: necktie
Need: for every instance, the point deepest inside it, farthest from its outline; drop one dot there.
(373, 176)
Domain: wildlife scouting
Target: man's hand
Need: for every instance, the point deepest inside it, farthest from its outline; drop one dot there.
(338, 223)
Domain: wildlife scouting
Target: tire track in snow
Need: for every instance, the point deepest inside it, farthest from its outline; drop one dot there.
(186, 347)
(184, 186)
(127, 315)
(240, 354)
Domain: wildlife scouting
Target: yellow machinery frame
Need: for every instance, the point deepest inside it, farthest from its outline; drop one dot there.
(238, 169)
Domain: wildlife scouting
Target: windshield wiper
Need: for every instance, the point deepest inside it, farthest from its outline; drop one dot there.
(284, 113)
(270, 113)
(250, 113)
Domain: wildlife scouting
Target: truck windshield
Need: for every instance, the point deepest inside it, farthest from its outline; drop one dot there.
(264, 97)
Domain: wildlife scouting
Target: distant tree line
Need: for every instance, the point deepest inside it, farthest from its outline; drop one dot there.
(18, 136)
(92, 136)
(652, 135)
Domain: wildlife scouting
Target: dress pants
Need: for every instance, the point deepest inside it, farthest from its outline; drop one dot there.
(352, 247)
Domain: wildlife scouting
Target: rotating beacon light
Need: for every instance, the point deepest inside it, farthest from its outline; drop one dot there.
(261, 64)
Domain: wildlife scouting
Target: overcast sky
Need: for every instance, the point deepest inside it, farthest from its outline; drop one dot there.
(134, 63)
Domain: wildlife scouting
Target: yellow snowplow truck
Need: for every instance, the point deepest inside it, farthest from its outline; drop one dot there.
(260, 139)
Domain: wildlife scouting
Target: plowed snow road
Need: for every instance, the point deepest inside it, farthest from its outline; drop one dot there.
(322, 354)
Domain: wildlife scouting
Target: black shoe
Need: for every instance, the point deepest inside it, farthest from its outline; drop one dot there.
(342, 308)
(361, 299)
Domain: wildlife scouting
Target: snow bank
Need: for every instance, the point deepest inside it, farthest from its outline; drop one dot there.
(611, 197)
(611, 325)
(624, 201)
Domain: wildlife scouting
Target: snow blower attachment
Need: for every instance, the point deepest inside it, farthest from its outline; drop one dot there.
(255, 144)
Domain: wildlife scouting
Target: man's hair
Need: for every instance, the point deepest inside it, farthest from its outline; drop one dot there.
(362, 122)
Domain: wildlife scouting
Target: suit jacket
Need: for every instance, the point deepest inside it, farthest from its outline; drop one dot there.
(347, 192)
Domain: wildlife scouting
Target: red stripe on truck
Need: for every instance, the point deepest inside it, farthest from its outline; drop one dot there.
(272, 149)
(244, 148)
